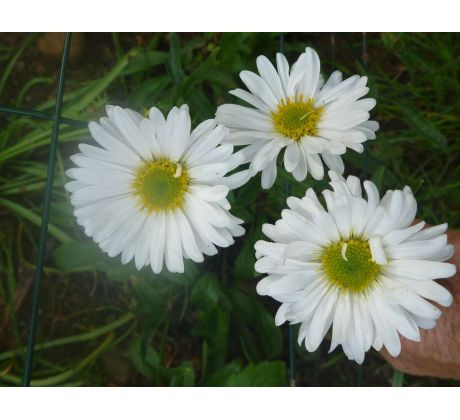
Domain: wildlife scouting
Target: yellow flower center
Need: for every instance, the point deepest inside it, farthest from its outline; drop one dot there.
(297, 118)
(160, 185)
(349, 266)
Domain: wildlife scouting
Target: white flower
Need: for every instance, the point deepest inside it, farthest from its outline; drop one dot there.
(154, 191)
(297, 110)
(360, 266)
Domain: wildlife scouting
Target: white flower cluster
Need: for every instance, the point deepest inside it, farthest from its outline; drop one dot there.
(155, 191)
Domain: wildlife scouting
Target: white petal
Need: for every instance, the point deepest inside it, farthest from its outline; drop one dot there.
(112, 144)
(322, 320)
(311, 79)
(315, 166)
(187, 237)
(173, 251)
(283, 71)
(377, 251)
(158, 242)
(269, 175)
(423, 270)
(178, 126)
(333, 162)
(251, 99)
(269, 74)
(291, 156)
(236, 180)
(259, 88)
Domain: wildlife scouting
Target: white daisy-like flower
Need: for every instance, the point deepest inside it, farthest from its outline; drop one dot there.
(154, 191)
(296, 110)
(360, 266)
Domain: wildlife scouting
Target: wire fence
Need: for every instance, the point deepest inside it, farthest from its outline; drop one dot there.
(57, 119)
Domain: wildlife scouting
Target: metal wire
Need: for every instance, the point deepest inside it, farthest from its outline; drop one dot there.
(46, 212)
(365, 175)
(332, 44)
(292, 355)
(364, 59)
(44, 115)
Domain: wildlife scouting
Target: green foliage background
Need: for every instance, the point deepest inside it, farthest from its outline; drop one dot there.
(102, 323)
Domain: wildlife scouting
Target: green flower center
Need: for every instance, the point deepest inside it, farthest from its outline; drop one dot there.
(160, 185)
(349, 266)
(298, 118)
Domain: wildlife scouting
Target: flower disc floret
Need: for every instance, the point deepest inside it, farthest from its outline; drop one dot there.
(297, 118)
(349, 265)
(160, 185)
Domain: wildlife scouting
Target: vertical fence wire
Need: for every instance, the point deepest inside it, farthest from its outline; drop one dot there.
(364, 58)
(287, 193)
(45, 218)
(365, 174)
(332, 52)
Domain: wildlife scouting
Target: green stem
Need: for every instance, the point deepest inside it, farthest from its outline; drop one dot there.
(398, 378)
(64, 376)
(73, 338)
(162, 344)
(11, 289)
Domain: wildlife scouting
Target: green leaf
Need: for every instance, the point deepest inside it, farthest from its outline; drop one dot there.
(146, 364)
(187, 278)
(144, 61)
(378, 176)
(97, 87)
(262, 374)
(76, 256)
(148, 93)
(270, 335)
(213, 327)
(244, 263)
(221, 376)
(183, 375)
(151, 324)
(175, 61)
(200, 74)
(425, 128)
(202, 106)
(152, 298)
(398, 378)
(254, 320)
(249, 345)
(86, 256)
(206, 292)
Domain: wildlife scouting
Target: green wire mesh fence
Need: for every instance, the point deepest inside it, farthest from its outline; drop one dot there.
(57, 119)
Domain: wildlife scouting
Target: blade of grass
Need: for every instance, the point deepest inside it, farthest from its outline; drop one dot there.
(35, 219)
(14, 59)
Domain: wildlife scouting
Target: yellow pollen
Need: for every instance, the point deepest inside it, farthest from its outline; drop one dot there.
(160, 185)
(348, 265)
(297, 118)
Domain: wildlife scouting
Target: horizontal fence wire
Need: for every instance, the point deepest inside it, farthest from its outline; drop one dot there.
(46, 212)
(43, 115)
